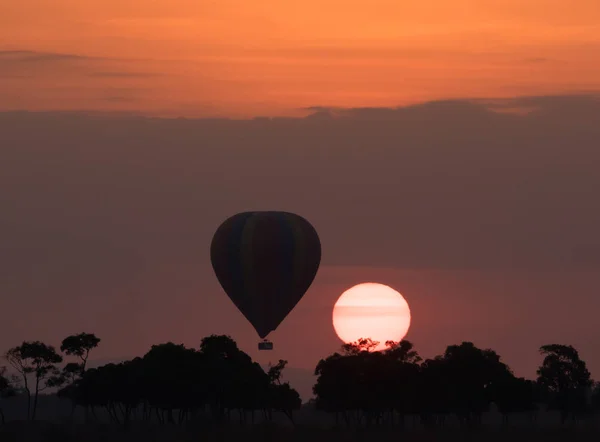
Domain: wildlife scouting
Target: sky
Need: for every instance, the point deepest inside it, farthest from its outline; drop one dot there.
(447, 149)
(241, 58)
(486, 221)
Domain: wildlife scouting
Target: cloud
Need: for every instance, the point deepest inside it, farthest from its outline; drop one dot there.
(125, 74)
(536, 60)
(584, 105)
(35, 56)
(59, 77)
(28, 66)
(120, 99)
(122, 94)
(15, 76)
(449, 184)
(462, 108)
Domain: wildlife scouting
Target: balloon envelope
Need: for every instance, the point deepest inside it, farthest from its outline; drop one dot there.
(265, 262)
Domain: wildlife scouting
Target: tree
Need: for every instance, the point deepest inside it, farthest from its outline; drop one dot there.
(80, 345)
(332, 392)
(402, 351)
(275, 371)
(565, 378)
(361, 345)
(513, 395)
(595, 397)
(222, 359)
(367, 386)
(434, 398)
(467, 372)
(39, 359)
(234, 381)
(7, 389)
(172, 379)
(401, 369)
(282, 397)
(70, 373)
(173, 376)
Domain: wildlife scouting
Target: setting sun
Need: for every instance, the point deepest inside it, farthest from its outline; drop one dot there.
(371, 310)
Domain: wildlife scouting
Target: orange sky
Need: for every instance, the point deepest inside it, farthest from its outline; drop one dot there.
(242, 58)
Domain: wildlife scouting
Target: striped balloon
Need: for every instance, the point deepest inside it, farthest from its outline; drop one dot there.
(265, 262)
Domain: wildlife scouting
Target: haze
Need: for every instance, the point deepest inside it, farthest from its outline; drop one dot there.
(447, 149)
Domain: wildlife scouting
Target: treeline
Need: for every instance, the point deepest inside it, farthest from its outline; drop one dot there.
(170, 383)
(379, 388)
(361, 387)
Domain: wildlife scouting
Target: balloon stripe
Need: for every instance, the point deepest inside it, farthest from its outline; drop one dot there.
(267, 277)
(278, 274)
(313, 249)
(233, 257)
(299, 258)
(286, 288)
(272, 271)
(219, 254)
(247, 245)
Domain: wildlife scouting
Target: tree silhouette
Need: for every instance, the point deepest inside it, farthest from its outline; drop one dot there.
(565, 379)
(365, 385)
(172, 383)
(359, 346)
(7, 389)
(234, 376)
(434, 398)
(595, 396)
(282, 397)
(470, 371)
(275, 371)
(217, 383)
(174, 375)
(40, 360)
(373, 387)
(514, 395)
(402, 351)
(79, 345)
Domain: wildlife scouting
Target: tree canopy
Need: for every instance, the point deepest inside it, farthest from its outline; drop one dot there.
(173, 384)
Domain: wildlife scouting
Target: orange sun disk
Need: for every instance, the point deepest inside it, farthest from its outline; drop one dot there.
(371, 310)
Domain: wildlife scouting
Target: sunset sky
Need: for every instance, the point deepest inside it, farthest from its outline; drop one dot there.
(271, 57)
(399, 152)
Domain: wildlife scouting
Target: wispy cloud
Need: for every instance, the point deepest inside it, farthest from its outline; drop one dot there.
(535, 60)
(479, 107)
(119, 99)
(90, 78)
(124, 74)
(35, 56)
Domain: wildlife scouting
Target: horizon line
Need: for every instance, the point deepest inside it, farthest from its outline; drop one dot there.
(492, 103)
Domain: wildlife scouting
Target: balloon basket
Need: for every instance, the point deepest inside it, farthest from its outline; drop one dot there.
(265, 345)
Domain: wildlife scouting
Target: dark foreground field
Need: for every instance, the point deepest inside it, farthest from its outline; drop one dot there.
(57, 432)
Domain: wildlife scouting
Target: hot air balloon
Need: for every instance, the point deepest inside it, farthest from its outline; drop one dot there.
(265, 262)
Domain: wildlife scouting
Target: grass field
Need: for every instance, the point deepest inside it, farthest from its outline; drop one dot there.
(57, 432)
(54, 425)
